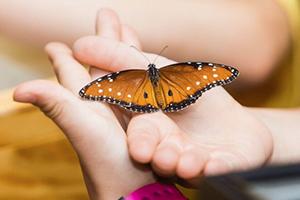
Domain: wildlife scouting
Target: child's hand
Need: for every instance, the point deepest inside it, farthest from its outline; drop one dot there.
(91, 127)
(213, 136)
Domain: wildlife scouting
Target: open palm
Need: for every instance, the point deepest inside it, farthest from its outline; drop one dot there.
(213, 136)
(92, 128)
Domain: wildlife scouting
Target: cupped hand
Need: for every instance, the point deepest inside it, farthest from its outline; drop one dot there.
(216, 135)
(92, 128)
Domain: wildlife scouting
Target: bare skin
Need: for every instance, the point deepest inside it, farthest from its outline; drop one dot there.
(92, 128)
(223, 141)
(284, 126)
(216, 135)
(238, 33)
(213, 136)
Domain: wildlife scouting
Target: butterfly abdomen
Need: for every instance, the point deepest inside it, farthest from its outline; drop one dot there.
(154, 77)
(159, 96)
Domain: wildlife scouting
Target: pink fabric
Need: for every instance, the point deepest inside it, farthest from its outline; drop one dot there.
(156, 191)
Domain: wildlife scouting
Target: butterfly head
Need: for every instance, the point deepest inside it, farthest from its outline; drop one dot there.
(151, 65)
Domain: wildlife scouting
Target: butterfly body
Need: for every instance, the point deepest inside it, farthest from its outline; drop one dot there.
(153, 74)
(170, 88)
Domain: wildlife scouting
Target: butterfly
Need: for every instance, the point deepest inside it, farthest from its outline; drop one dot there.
(170, 88)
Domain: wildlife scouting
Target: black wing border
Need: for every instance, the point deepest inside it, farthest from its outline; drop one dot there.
(125, 105)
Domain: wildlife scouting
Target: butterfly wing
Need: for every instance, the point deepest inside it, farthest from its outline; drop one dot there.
(184, 83)
(130, 89)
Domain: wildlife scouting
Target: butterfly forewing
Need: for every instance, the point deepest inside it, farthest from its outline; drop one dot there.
(183, 83)
(130, 89)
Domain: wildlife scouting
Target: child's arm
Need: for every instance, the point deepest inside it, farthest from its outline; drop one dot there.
(250, 34)
(284, 126)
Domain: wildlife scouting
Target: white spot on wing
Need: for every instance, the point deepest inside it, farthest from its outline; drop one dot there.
(204, 76)
(100, 91)
(129, 96)
(215, 75)
(188, 88)
(110, 80)
(119, 93)
(109, 89)
(197, 82)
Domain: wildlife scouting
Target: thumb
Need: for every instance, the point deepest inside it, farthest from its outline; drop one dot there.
(67, 111)
(48, 96)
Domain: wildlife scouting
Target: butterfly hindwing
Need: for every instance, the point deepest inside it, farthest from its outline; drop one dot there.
(130, 89)
(184, 83)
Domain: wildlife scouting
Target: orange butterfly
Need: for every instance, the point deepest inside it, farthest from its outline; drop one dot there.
(170, 88)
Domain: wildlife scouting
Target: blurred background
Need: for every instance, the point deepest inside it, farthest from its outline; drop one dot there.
(36, 160)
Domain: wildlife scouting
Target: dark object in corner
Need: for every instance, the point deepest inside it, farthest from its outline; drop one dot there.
(268, 183)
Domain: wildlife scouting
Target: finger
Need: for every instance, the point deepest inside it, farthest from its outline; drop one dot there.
(145, 132)
(59, 104)
(108, 54)
(223, 162)
(167, 154)
(95, 72)
(71, 74)
(83, 127)
(216, 167)
(129, 36)
(191, 163)
(111, 55)
(108, 24)
(142, 141)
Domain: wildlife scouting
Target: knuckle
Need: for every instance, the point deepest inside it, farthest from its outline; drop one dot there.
(54, 110)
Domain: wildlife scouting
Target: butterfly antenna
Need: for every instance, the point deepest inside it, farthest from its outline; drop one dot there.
(141, 53)
(161, 51)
